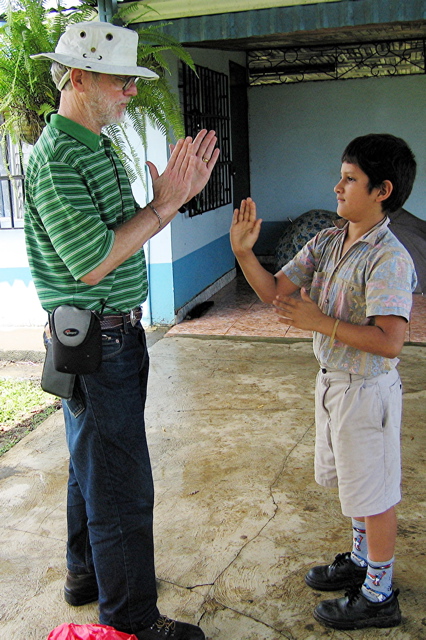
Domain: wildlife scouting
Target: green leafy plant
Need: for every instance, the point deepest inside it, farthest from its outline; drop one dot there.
(28, 94)
(27, 91)
(155, 101)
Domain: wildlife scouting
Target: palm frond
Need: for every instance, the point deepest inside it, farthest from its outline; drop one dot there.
(120, 140)
(27, 91)
(128, 11)
(155, 102)
(126, 150)
(152, 41)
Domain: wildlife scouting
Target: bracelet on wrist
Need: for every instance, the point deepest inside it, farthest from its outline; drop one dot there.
(154, 210)
(333, 333)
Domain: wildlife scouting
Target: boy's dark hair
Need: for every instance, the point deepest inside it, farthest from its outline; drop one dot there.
(383, 156)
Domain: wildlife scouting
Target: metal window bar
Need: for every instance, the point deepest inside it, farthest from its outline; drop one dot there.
(12, 194)
(205, 98)
(336, 62)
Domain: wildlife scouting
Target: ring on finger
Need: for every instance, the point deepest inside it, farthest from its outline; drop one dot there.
(205, 159)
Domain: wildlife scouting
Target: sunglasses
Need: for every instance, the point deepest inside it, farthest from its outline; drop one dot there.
(127, 81)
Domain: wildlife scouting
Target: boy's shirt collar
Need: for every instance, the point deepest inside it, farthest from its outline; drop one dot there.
(75, 130)
(372, 236)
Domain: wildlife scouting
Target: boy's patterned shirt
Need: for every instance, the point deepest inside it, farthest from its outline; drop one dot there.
(375, 277)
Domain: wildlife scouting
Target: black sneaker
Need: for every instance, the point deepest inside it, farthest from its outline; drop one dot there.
(80, 588)
(355, 611)
(341, 574)
(171, 630)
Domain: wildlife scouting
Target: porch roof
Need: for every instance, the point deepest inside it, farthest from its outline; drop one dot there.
(281, 23)
(167, 9)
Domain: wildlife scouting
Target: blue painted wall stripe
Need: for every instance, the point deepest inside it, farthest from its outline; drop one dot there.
(10, 274)
(171, 285)
(160, 298)
(199, 269)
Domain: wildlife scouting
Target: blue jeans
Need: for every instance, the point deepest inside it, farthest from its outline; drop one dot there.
(110, 488)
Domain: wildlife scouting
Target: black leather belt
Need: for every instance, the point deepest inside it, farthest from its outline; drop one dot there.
(119, 320)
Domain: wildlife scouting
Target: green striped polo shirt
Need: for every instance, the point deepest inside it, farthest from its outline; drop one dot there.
(76, 193)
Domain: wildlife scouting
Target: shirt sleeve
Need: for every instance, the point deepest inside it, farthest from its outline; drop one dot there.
(301, 269)
(71, 219)
(390, 282)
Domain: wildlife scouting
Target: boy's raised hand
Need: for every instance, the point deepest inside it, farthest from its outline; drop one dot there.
(245, 228)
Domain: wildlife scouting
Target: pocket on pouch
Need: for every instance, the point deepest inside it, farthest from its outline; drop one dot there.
(76, 340)
(56, 382)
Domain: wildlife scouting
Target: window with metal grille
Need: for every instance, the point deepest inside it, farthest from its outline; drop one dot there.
(11, 186)
(337, 61)
(205, 102)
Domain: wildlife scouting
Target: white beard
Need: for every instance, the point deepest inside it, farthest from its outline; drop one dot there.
(105, 113)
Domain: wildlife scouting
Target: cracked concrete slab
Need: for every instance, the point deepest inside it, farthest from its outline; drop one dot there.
(238, 516)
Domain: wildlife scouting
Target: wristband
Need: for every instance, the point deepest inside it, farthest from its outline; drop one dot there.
(154, 210)
(333, 333)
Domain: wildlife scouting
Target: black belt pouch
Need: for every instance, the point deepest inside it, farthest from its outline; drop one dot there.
(76, 340)
(55, 382)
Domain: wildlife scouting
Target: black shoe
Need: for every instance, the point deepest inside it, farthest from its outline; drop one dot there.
(341, 574)
(80, 588)
(355, 611)
(171, 630)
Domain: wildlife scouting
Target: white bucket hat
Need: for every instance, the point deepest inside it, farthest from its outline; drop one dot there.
(101, 47)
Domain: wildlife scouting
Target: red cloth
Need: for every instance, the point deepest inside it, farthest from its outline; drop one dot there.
(87, 632)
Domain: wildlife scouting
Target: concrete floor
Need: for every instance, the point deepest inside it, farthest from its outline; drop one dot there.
(238, 517)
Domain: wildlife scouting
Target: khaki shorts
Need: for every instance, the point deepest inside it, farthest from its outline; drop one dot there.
(357, 448)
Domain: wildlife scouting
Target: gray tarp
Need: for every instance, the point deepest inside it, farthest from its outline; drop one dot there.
(411, 232)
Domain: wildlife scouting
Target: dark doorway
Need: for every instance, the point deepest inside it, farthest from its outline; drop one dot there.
(239, 133)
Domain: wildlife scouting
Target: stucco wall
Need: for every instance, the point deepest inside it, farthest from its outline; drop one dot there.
(200, 246)
(298, 133)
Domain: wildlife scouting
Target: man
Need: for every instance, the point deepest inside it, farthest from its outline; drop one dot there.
(84, 235)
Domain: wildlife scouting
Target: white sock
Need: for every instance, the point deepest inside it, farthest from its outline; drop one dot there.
(377, 586)
(359, 543)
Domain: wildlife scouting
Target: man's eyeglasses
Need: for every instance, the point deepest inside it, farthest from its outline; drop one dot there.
(127, 81)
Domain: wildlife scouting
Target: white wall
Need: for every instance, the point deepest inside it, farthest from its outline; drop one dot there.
(191, 234)
(298, 133)
(158, 250)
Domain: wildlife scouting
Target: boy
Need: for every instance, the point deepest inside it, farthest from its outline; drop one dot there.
(360, 280)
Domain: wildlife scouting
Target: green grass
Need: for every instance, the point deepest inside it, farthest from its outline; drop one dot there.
(23, 405)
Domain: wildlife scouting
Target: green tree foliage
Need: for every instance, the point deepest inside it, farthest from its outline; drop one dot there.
(155, 102)
(27, 91)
